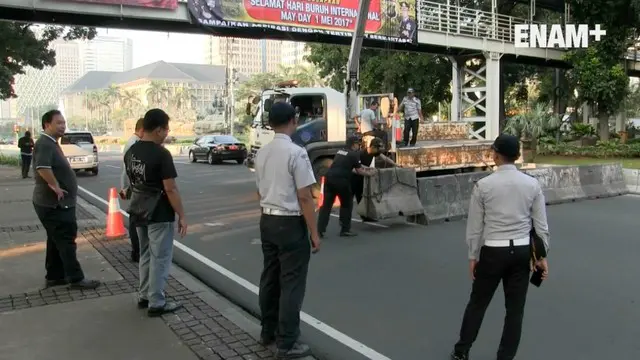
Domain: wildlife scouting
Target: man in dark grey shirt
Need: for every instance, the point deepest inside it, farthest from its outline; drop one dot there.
(54, 200)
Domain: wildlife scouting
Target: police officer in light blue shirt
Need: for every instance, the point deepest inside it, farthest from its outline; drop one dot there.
(284, 179)
(502, 210)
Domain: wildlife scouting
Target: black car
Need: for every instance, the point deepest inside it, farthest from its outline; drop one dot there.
(217, 148)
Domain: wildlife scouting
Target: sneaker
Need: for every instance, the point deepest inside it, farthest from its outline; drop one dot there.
(297, 351)
(455, 356)
(84, 284)
(168, 308)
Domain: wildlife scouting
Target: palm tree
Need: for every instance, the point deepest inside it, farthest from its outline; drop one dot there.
(530, 126)
(130, 102)
(182, 98)
(157, 93)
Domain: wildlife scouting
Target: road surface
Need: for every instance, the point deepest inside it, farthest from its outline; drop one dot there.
(398, 291)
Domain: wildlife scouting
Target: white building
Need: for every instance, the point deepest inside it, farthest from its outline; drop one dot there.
(105, 53)
(248, 56)
(293, 53)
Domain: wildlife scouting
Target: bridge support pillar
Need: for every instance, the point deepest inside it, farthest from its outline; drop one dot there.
(476, 94)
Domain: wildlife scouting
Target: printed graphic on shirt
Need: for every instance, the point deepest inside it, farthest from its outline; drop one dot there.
(137, 170)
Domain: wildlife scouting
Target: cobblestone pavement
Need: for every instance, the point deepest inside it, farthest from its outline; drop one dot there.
(207, 332)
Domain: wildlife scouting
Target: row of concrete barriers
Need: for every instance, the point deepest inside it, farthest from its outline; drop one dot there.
(446, 198)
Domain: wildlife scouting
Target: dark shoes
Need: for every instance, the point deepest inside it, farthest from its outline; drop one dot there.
(168, 308)
(58, 282)
(298, 351)
(143, 304)
(266, 340)
(455, 356)
(347, 234)
(84, 284)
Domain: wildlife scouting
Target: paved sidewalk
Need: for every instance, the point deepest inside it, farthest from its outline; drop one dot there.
(102, 324)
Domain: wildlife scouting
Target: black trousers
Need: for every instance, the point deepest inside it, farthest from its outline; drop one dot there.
(286, 249)
(511, 265)
(25, 164)
(62, 228)
(133, 234)
(357, 186)
(340, 188)
(410, 126)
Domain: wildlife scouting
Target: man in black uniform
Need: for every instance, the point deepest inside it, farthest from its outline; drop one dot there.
(373, 151)
(346, 163)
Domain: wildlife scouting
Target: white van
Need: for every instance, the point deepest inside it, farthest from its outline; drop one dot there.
(81, 151)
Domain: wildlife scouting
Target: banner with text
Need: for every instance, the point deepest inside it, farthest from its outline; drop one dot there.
(161, 4)
(387, 20)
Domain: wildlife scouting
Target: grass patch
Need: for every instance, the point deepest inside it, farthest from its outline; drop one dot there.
(628, 163)
(11, 160)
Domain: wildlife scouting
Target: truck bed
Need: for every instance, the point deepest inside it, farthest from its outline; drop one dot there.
(446, 154)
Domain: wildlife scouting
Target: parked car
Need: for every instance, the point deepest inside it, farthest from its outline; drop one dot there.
(80, 150)
(217, 148)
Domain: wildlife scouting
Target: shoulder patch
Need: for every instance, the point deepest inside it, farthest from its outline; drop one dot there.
(342, 152)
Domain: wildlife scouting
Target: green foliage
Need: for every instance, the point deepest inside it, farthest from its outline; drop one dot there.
(579, 130)
(533, 124)
(383, 71)
(599, 81)
(10, 160)
(307, 76)
(20, 47)
(604, 149)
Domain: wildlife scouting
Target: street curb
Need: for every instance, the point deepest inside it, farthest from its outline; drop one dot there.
(244, 320)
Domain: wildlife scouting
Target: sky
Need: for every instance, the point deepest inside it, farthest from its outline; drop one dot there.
(151, 46)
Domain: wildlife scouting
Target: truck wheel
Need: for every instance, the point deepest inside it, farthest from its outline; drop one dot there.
(320, 168)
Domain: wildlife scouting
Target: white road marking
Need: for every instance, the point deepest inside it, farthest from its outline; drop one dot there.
(214, 224)
(360, 221)
(310, 320)
(112, 166)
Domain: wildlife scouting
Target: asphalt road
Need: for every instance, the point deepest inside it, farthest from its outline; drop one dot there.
(401, 289)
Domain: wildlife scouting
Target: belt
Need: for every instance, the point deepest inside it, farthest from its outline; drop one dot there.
(277, 212)
(507, 243)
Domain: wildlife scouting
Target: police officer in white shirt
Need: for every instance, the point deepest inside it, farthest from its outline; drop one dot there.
(412, 109)
(288, 222)
(502, 209)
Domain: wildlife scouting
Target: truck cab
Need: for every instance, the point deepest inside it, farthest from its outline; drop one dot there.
(322, 123)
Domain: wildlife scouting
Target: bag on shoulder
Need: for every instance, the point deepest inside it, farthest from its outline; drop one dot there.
(144, 200)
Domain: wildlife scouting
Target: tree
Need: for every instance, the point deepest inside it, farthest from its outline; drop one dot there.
(20, 47)
(384, 70)
(597, 73)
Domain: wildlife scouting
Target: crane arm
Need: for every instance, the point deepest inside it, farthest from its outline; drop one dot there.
(354, 58)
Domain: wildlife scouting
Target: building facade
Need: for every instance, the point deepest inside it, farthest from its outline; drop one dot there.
(105, 53)
(293, 53)
(247, 56)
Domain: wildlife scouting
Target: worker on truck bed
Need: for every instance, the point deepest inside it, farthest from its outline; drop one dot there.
(345, 164)
(412, 109)
(367, 158)
(369, 124)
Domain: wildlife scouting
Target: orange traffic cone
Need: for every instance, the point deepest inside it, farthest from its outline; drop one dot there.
(321, 197)
(398, 129)
(115, 223)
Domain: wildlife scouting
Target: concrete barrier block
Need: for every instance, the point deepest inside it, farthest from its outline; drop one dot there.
(603, 180)
(632, 180)
(390, 193)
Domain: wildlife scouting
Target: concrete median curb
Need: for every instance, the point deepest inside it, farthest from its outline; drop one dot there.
(446, 198)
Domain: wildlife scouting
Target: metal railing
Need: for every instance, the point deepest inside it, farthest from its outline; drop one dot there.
(457, 20)
(450, 19)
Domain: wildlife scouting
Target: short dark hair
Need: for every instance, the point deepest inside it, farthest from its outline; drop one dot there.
(281, 113)
(47, 118)
(373, 103)
(155, 118)
(139, 124)
(27, 133)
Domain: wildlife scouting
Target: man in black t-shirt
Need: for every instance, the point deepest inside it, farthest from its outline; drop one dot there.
(338, 181)
(26, 144)
(148, 164)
